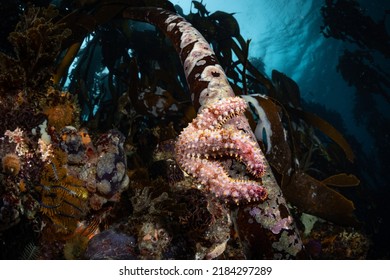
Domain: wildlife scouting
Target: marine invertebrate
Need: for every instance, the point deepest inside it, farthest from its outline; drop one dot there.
(111, 244)
(30, 252)
(111, 177)
(77, 242)
(16, 136)
(71, 142)
(153, 240)
(20, 164)
(63, 198)
(11, 164)
(61, 108)
(205, 137)
(101, 166)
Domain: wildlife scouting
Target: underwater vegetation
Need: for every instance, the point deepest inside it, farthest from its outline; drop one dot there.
(364, 65)
(126, 140)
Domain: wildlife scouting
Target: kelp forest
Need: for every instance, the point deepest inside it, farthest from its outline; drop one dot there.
(138, 130)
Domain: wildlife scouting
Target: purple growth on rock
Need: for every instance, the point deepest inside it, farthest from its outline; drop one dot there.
(111, 245)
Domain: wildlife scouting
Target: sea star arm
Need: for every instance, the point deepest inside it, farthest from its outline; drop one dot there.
(211, 173)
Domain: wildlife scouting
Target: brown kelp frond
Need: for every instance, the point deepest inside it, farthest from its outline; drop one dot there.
(291, 145)
(314, 197)
(342, 180)
(328, 130)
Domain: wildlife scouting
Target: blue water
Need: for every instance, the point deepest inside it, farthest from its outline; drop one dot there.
(286, 36)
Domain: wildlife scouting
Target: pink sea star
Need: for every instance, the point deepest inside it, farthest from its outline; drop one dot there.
(206, 138)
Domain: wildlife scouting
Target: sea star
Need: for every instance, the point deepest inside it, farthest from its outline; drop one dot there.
(206, 138)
